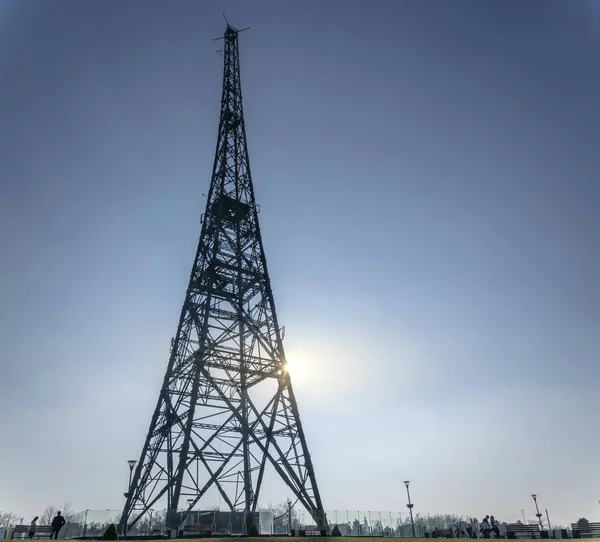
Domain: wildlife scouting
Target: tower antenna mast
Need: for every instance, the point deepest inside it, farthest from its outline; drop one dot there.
(226, 416)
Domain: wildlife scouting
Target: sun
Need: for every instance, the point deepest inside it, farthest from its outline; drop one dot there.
(296, 368)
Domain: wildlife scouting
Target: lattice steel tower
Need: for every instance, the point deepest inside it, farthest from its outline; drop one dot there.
(218, 424)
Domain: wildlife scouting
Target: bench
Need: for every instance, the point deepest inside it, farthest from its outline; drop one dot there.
(585, 530)
(440, 533)
(312, 530)
(204, 529)
(520, 530)
(40, 530)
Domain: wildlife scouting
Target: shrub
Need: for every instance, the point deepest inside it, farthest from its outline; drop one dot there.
(111, 533)
(253, 531)
(336, 531)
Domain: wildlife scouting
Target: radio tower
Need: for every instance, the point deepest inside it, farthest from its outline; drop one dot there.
(226, 412)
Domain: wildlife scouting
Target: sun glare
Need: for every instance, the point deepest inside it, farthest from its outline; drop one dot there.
(295, 368)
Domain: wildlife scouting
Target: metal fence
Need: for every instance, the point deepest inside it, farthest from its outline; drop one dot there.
(278, 521)
(94, 522)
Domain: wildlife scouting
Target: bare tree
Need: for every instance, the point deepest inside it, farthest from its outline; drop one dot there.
(7, 519)
(67, 510)
(48, 515)
(282, 517)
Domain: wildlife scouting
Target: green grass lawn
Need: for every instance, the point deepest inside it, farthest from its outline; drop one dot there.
(306, 539)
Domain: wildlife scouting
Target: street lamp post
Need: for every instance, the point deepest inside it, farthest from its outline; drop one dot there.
(131, 464)
(151, 511)
(410, 507)
(188, 519)
(548, 518)
(539, 516)
(85, 522)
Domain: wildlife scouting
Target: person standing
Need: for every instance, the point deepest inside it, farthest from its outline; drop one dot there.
(33, 527)
(57, 524)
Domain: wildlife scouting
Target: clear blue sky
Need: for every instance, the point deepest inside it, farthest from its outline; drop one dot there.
(428, 178)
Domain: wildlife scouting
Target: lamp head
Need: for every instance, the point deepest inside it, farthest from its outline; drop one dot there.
(132, 463)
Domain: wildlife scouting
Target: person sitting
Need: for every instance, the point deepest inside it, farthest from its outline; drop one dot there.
(495, 524)
(484, 527)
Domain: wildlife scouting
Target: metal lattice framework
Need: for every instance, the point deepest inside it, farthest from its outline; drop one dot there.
(217, 424)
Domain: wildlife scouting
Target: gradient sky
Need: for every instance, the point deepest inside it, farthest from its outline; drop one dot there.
(428, 179)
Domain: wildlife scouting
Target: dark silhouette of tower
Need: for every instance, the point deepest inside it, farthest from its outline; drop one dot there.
(226, 411)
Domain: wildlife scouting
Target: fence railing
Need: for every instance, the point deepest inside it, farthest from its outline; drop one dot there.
(271, 521)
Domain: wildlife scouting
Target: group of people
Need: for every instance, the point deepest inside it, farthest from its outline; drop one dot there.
(489, 525)
(57, 525)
